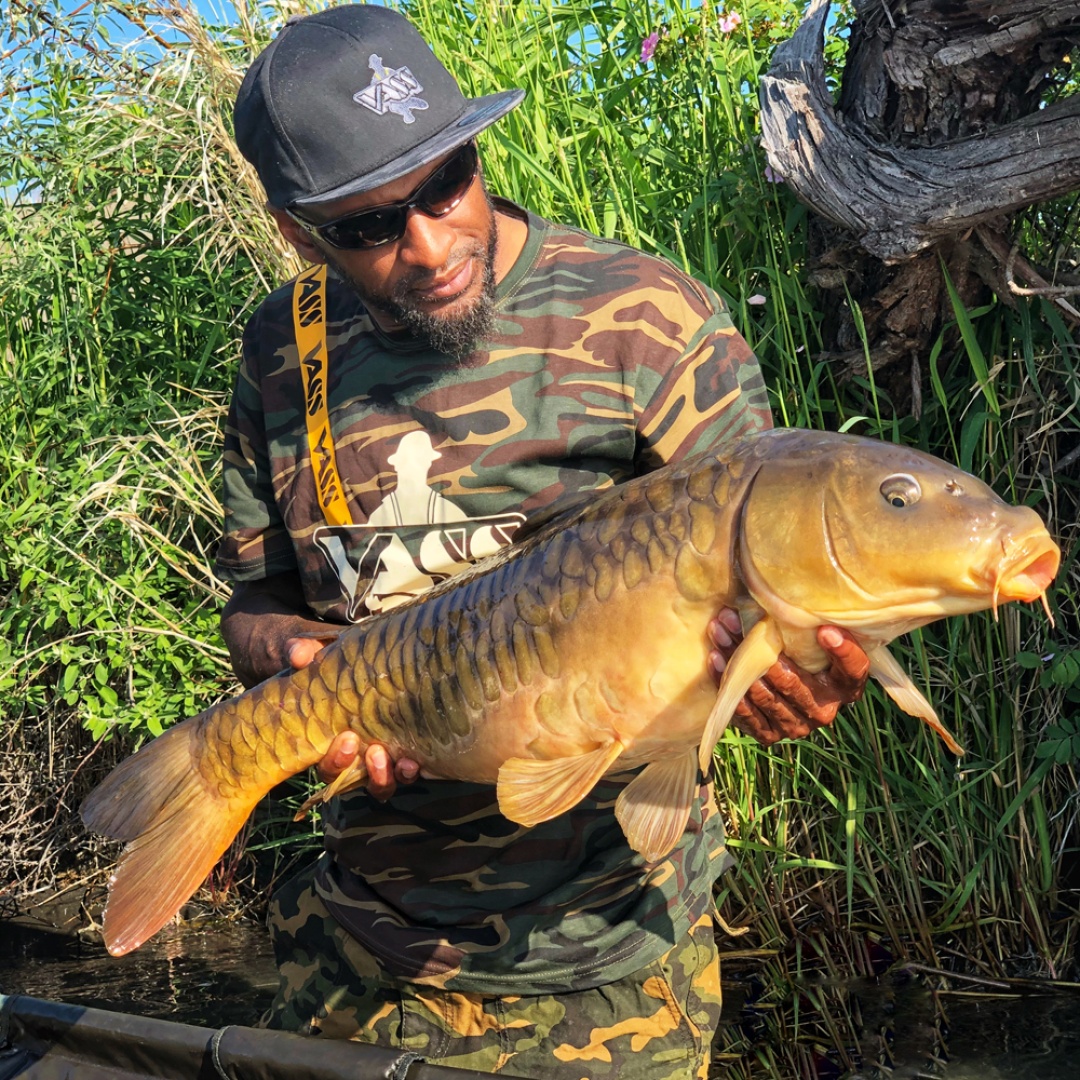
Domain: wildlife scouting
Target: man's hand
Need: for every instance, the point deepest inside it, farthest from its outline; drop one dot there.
(384, 775)
(262, 624)
(787, 702)
(300, 651)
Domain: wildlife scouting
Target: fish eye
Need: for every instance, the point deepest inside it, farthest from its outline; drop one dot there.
(901, 490)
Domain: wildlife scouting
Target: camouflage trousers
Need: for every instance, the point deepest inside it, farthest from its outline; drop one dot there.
(656, 1024)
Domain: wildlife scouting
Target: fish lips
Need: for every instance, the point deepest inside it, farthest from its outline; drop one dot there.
(1026, 569)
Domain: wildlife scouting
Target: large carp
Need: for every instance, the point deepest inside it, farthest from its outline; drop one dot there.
(583, 649)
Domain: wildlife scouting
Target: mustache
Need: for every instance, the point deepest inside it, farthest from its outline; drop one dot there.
(420, 278)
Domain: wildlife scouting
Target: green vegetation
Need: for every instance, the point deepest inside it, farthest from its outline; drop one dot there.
(132, 248)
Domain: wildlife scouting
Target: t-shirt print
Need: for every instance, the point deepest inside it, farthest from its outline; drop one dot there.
(414, 538)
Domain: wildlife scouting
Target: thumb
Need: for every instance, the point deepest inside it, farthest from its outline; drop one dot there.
(301, 651)
(340, 754)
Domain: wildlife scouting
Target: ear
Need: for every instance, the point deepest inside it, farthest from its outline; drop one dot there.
(303, 241)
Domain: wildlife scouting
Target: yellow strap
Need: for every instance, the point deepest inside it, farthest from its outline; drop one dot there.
(309, 320)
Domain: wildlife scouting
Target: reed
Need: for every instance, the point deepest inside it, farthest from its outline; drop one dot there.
(132, 247)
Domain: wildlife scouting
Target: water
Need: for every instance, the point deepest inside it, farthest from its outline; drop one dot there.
(901, 1027)
(216, 973)
(1021, 1039)
(212, 973)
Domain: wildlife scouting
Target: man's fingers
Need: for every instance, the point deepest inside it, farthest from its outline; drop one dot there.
(339, 755)
(301, 651)
(850, 665)
(719, 635)
(787, 714)
(725, 628)
(756, 726)
(384, 774)
(406, 770)
(787, 702)
(777, 706)
(381, 782)
(751, 721)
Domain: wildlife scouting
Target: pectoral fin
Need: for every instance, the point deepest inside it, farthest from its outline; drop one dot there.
(532, 791)
(895, 682)
(654, 807)
(755, 655)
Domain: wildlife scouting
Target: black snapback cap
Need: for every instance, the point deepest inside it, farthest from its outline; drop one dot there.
(348, 99)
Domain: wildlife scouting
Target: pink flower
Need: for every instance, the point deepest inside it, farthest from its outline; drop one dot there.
(757, 299)
(729, 22)
(648, 47)
(772, 176)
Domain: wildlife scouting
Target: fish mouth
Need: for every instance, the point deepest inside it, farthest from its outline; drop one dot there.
(1026, 571)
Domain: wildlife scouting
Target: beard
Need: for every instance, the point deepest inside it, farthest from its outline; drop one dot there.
(455, 334)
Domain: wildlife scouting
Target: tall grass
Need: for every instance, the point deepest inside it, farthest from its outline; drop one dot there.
(132, 248)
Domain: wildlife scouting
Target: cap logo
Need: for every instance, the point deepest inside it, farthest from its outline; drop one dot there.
(391, 90)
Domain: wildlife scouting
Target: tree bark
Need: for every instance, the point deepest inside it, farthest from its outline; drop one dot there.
(945, 128)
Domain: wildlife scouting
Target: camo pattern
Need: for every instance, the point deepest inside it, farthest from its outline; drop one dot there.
(446, 892)
(657, 1023)
(604, 364)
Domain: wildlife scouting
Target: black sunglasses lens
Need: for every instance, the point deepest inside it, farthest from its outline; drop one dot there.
(369, 229)
(437, 196)
(444, 190)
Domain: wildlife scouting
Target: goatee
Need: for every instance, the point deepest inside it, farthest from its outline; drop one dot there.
(456, 335)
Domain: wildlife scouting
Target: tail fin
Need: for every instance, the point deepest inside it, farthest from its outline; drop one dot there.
(178, 828)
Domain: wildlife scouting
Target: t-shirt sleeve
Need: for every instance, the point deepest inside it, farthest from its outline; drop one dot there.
(712, 392)
(255, 543)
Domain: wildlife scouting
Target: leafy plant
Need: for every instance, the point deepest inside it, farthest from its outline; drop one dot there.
(133, 245)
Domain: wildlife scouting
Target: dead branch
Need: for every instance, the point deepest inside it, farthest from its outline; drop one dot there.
(898, 201)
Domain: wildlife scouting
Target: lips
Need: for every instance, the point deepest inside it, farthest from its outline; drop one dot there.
(1027, 571)
(446, 288)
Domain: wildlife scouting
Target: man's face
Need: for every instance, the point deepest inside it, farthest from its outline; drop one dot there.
(438, 280)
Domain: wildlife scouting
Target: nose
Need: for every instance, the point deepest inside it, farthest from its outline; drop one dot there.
(427, 241)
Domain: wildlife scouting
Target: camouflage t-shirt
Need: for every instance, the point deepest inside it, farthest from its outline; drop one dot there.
(604, 363)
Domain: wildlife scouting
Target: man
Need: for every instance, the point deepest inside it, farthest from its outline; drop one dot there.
(464, 364)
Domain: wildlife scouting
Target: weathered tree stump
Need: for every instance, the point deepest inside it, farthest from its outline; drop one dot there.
(946, 127)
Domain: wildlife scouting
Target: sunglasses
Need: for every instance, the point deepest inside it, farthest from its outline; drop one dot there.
(440, 193)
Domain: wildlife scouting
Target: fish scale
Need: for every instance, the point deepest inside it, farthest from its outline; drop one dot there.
(583, 649)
